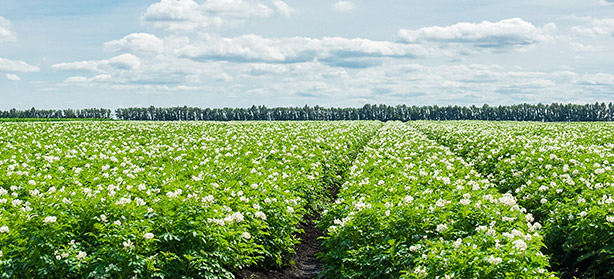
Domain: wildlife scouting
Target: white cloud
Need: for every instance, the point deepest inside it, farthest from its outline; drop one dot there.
(6, 34)
(13, 77)
(465, 84)
(597, 26)
(254, 48)
(314, 80)
(90, 65)
(598, 79)
(188, 15)
(513, 32)
(125, 62)
(607, 2)
(344, 6)
(121, 62)
(283, 9)
(77, 80)
(136, 42)
(8, 65)
(579, 47)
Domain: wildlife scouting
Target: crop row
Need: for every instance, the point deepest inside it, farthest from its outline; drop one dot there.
(411, 208)
(136, 199)
(562, 173)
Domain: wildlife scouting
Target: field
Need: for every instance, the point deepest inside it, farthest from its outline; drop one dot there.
(457, 199)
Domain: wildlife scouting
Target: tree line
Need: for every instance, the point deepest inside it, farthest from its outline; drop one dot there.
(88, 113)
(522, 112)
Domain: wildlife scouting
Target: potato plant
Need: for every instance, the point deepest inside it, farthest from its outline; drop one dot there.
(561, 172)
(162, 200)
(411, 208)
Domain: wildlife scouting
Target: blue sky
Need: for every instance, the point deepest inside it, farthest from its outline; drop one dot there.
(238, 53)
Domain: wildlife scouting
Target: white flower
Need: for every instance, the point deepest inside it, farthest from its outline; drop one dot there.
(260, 215)
(408, 199)
(16, 202)
(50, 219)
(148, 236)
(610, 219)
(246, 235)
(118, 222)
(414, 248)
(81, 255)
(290, 209)
(234, 217)
(494, 261)
(127, 244)
(420, 271)
(139, 202)
(442, 227)
(507, 199)
(543, 201)
(519, 244)
(441, 203)
(4, 229)
(457, 243)
(1, 254)
(208, 199)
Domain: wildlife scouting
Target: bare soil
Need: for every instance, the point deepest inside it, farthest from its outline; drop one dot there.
(306, 265)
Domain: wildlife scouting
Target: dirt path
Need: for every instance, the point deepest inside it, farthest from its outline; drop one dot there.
(306, 266)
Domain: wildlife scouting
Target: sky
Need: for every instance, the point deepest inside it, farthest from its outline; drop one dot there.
(239, 53)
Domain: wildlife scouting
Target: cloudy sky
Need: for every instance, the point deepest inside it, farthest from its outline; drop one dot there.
(237, 53)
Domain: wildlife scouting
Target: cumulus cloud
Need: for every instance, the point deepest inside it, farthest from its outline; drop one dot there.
(344, 6)
(6, 34)
(8, 65)
(283, 9)
(188, 15)
(507, 33)
(136, 42)
(597, 26)
(13, 77)
(121, 62)
(254, 48)
(390, 81)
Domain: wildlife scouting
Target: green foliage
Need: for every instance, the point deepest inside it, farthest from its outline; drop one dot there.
(561, 173)
(412, 209)
(162, 200)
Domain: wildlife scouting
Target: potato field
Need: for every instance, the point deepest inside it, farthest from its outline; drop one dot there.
(422, 199)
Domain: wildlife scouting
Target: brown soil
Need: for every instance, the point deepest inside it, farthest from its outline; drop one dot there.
(306, 266)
